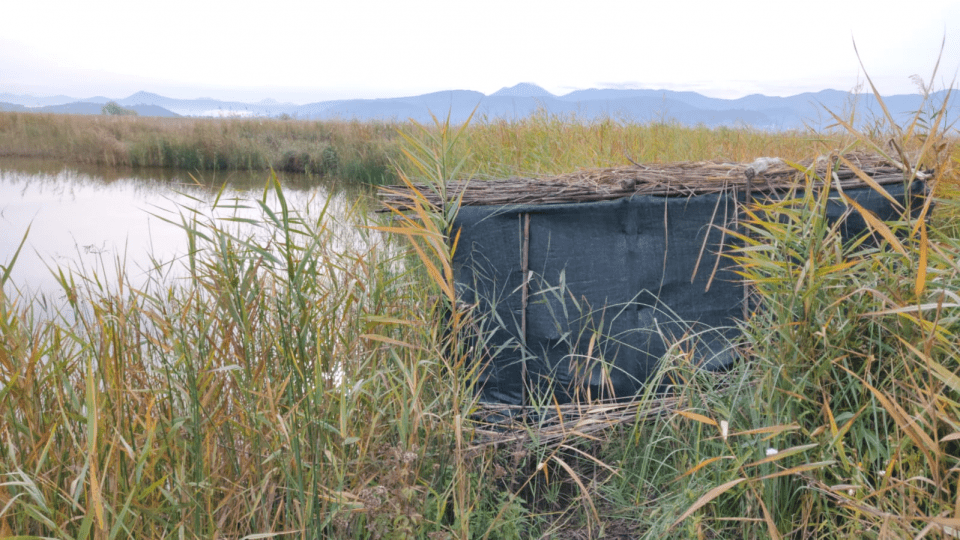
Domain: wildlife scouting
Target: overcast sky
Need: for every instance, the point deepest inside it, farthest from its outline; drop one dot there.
(303, 51)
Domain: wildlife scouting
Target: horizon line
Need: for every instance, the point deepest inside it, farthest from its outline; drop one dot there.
(272, 100)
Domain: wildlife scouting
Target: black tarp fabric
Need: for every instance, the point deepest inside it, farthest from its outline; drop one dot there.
(611, 287)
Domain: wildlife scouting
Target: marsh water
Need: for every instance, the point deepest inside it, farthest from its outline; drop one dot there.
(94, 221)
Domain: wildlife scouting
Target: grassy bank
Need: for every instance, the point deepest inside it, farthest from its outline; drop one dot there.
(311, 382)
(357, 151)
(364, 151)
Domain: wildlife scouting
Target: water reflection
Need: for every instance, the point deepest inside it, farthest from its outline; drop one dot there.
(94, 220)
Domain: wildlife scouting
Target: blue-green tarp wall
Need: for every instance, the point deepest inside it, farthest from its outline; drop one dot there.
(611, 286)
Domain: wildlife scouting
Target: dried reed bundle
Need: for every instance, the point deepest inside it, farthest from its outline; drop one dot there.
(667, 179)
(498, 424)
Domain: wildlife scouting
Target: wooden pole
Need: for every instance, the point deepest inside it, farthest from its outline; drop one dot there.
(525, 270)
(746, 202)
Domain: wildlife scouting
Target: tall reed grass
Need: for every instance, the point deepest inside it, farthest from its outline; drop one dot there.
(545, 144)
(296, 383)
(840, 422)
(363, 152)
(354, 151)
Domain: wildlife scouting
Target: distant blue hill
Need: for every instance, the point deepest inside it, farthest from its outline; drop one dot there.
(690, 108)
(11, 107)
(510, 103)
(86, 107)
(522, 90)
(35, 101)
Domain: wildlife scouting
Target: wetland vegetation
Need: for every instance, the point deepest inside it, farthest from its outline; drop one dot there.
(366, 152)
(298, 386)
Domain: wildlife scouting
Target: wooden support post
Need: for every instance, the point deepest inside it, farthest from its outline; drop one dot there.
(746, 202)
(525, 295)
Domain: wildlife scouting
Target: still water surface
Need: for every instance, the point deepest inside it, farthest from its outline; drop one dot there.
(86, 218)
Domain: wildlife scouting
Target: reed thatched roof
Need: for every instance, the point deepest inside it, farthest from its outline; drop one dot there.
(666, 179)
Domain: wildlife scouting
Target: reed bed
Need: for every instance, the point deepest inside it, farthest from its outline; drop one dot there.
(547, 145)
(365, 152)
(292, 384)
(354, 151)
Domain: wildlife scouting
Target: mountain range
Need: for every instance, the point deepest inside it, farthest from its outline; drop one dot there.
(629, 105)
